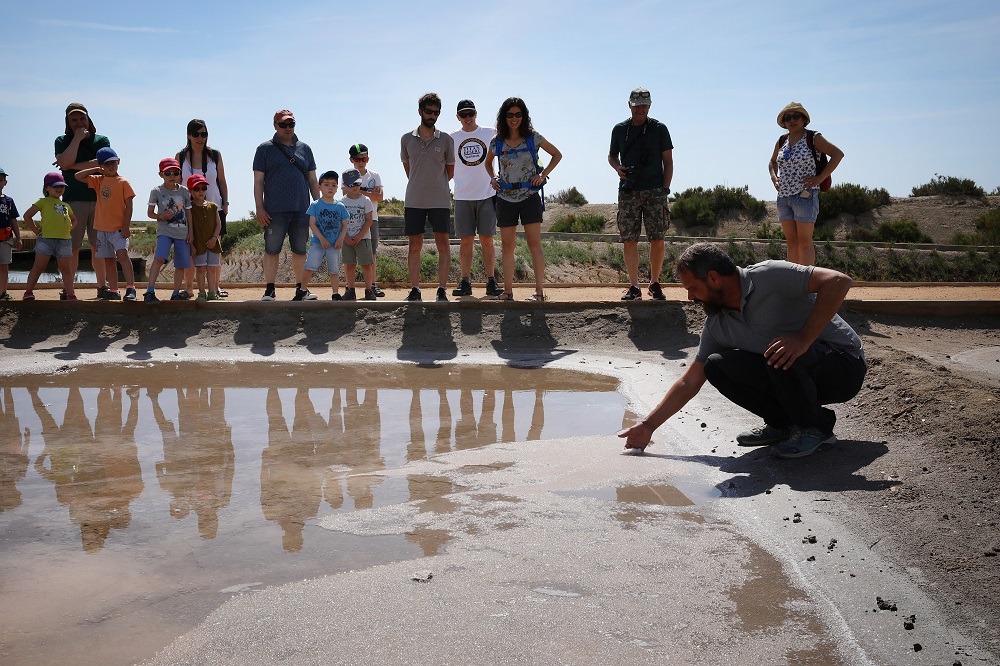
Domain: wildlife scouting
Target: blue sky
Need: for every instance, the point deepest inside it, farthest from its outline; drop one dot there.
(906, 89)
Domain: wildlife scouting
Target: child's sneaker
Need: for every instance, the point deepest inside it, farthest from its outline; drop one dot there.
(71, 297)
(184, 295)
(349, 294)
(213, 296)
(28, 296)
(202, 296)
(370, 295)
(222, 293)
(150, 297)
(129, 294)
(112, 296)
(62, 294)
(6, 297)
(179, 296)
(102, 292)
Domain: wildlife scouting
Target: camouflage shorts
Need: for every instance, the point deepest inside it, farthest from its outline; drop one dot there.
(643, 206)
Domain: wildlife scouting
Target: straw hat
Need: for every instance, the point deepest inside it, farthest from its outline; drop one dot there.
(792, 106)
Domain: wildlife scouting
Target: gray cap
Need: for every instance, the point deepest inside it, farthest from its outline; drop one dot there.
(639, 97)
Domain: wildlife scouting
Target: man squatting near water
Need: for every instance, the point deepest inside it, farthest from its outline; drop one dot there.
(773, 343)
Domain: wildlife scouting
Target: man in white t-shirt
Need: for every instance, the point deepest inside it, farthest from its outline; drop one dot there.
(371, 187)
(475, 210)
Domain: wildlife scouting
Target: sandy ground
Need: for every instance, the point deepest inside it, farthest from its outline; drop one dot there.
(904, 508)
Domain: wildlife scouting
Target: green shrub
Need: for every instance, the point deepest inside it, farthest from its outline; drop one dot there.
(851, 199)
(949, 186)
(768, 231)
(823, 234)
(988, 227)
(903, 230)
(996, 192)
(390, 270)
(390, 206)
(586, 223)
(700, 207)
(570, 197)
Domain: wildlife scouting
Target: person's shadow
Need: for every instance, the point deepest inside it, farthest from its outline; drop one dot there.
(262, 332)
(834, 468)
(525, 334)
(427, 335)
(663, 329)
(326, 325)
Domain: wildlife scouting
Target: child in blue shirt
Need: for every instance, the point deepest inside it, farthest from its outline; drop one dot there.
(328, 222)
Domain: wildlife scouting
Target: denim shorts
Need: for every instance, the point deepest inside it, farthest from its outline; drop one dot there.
(315, 258)
(109, 243)
(182, 251)
(60, 248)
(798, 208)
(208, 258)
(293, 225)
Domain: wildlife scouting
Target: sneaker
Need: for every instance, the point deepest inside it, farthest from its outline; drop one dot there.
(656, 292)
(70, 297)
(150, 297)
(349, 294)
(202, 296)
(102, 292)
(112, 296)
(6, 297)
(492, 288)
(310, 296)
(28, 296)
(414, 294)
(179, 296)
(377, 291)
(62, 295)
(300, 294)
(336, 297)
(803, 443)
(214, 296)
(222, 293)
(370, 295)
(184, 295)
(764, 435)
(130, 294)
(268, 295)
(633, 293)
(464, 288)
(442, 295)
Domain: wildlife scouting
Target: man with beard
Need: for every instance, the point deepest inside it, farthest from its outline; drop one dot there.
(773, 343)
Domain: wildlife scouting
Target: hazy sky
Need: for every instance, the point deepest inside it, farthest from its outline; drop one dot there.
(906, 89)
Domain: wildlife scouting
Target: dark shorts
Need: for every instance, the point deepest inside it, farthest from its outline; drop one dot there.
(528, 211)
(415, 220)
(293, 225)
(649, 207)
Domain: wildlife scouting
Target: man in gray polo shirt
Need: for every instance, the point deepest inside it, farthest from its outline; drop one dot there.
(284, 184)
(428, 157)
(773, 343)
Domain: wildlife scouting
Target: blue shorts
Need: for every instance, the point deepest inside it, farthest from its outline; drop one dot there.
(798, 208)
(60, 248)
(315, 258)
(182, 251)
(293, 225)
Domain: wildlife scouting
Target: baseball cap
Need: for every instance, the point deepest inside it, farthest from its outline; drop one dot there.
(282, 114)
(54, 179)
(352, 178)
(106, 155)
(169, 163)
(194, 179)
(329, 175)
(358, 149)
(466, 105)
(2, 172)
(639, 97)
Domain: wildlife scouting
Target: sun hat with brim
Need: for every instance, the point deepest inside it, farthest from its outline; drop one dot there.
(792, 106)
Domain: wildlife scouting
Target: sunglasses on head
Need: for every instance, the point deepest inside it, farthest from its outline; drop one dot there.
(172, 172)
(201, 135)
(467, 114)
(511, 115)
(792, 116)
(288, 124)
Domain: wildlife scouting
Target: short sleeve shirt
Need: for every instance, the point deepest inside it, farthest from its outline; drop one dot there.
(369, 181)
(174, 202)
(427, 186)
(776, 302)
(8, 212)
(56, 222)
(646, 144)
(329, 218)
(75, 190)
(203, 228)
(113, 193)
(358, 209)
(472, 182)
(517, 165)
(285, 187)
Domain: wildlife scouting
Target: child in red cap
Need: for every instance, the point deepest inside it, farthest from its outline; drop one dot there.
(206, 232)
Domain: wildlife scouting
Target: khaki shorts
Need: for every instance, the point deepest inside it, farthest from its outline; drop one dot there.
(649, 207)
(357, 254)
(84, 211)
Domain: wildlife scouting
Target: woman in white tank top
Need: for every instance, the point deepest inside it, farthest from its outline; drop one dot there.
(198, 157)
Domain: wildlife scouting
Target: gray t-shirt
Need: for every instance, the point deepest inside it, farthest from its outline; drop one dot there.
(428, 183)
(174, 201)
(776, 301)
(518, 165)
(285, 187)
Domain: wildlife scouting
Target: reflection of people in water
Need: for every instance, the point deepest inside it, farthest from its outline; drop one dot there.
(198, 461)
(508, 433)
(13, 453)
(443, 443)
(96, 473)
(356, 452)
(416, 448)
(469, 433)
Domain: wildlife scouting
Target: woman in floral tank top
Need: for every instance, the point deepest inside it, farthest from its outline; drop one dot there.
(793, 172)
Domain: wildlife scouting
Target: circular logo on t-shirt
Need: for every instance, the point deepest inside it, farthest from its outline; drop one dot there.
(472, 152)
(106, 192)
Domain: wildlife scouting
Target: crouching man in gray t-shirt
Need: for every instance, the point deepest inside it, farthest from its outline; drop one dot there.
(773, 343)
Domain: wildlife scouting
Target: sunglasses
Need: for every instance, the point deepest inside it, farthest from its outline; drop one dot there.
(359, 158)
(288, 124)
(200, 188)
(200, 135)
(640, 96)
(467, 114)
(431, 112)
(792, 116)
(511, 116)
(172, 172)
